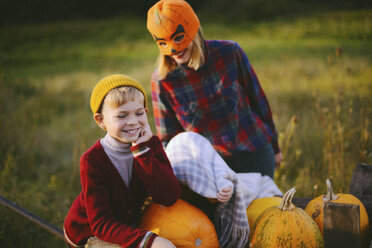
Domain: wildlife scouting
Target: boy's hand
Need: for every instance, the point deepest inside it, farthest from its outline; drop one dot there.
(225, 194)
(160, 242)
(145, 135)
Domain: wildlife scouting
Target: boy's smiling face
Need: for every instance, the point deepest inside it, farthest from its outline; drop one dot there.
(125, 122)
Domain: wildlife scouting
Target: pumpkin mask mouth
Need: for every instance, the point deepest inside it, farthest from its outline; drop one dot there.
(173, 24)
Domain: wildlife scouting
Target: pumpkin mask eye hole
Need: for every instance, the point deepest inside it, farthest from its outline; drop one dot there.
(179, 38)
(162, 44)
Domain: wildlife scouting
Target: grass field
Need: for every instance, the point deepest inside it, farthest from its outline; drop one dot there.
(316, 71)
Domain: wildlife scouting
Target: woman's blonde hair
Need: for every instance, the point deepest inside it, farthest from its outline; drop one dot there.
(122, 95)
(166, 64)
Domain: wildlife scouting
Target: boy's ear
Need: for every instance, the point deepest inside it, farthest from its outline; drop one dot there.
(146, 110)
(98, 117)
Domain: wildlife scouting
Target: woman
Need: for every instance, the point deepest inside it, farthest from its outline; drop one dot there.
(209, 87)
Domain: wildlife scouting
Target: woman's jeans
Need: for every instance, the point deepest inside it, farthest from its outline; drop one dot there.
(262, 160)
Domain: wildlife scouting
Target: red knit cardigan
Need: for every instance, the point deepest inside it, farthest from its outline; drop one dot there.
(107, 208)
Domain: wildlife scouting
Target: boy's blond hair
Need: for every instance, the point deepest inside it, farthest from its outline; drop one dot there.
(166, 64)
(122, 95)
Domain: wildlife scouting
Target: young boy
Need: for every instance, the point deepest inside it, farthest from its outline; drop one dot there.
(120, 170)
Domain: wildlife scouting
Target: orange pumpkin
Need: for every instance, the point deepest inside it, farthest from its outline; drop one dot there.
(182, 223)
(315, 209)
(286, 226)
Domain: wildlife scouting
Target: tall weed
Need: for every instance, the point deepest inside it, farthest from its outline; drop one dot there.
(331, 138)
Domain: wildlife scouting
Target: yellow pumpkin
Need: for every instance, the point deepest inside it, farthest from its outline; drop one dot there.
(315, 209)
(286, 226)
(182, 223)
(259, 205)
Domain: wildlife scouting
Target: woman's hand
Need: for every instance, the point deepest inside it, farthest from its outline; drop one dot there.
(145, 135)
(160, 242)
(278, 159)
(225, 194)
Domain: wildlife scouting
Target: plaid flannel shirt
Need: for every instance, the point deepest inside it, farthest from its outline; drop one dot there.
(222, 100)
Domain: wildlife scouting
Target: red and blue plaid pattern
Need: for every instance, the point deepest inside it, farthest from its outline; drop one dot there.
(222, 100)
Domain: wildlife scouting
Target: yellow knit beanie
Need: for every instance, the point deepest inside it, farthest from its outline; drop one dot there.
(111, 82)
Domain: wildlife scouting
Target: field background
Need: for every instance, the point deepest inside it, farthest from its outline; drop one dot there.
(314, 61)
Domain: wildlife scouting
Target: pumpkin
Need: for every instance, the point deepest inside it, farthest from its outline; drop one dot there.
(286, 226)
(259, 205)
(182, 223)
(315, 209)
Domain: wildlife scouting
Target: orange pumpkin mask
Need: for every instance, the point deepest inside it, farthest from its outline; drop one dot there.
(173, 25)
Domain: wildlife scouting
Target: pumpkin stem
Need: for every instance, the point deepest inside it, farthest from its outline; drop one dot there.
(330, 195)
(286, 204)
